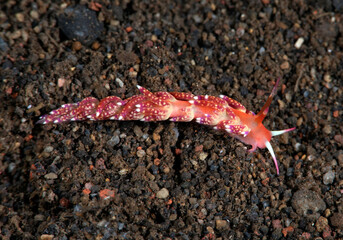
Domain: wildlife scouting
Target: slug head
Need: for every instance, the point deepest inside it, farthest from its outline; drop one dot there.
(266, 135)
(259, 136)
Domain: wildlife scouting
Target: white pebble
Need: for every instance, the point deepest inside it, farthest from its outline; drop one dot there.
(163, 193)
(120, 82)
(298, 147)
(299, 42)
(328, 177)
(51, 176)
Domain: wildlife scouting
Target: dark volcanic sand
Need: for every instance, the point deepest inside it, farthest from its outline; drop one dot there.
(163, 180)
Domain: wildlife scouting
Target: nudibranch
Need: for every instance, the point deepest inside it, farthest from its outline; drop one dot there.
(221, 113)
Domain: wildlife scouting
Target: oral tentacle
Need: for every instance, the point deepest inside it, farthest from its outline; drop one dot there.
(279, 132)
(270, 148)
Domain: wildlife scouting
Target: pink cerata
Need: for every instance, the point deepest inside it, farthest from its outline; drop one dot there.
(221, 113)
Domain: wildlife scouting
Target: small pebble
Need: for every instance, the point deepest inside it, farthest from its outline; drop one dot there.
(46, 237)
(11, 167)
(221, 224)
(76, 46)
(328, 177)
(263, 175)
(198, 148)
(128, 29)
(173, 217)
(96, 45)
(120, 226)
(48, 149)
(77, 208)
(123, 171)
(327, 129)
(192, 201)
(240, 32)
(34, 14)
(119, 82)
(16, 34)
(336, 220)
(37, 29)
(288, 97)
(327, 212)
(197, 18)
(338, 138)
(203, 156)
(50, 176)
(327, 77)
(288, 222)
(88, 185)
(141, 153)
(299, 43)
(282, 105)
(138, 131)
(300, 121)
(104, 224)
(39, 217)
(156, 136)
(308, 203)
(113, 141)
(100, 163)
(276, 224)
(284, 65)
(154, 38)
(61, 82)
(340, 158)
(204, 211)
(335, 114)
(162, 194)
(166, 170)
(20, 17)
(3, 45)
(298, 147)
(153, 186)
(262, 50)
(321, 224)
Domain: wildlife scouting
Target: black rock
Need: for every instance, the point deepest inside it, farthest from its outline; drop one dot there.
(81, 24)
(3, 45)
